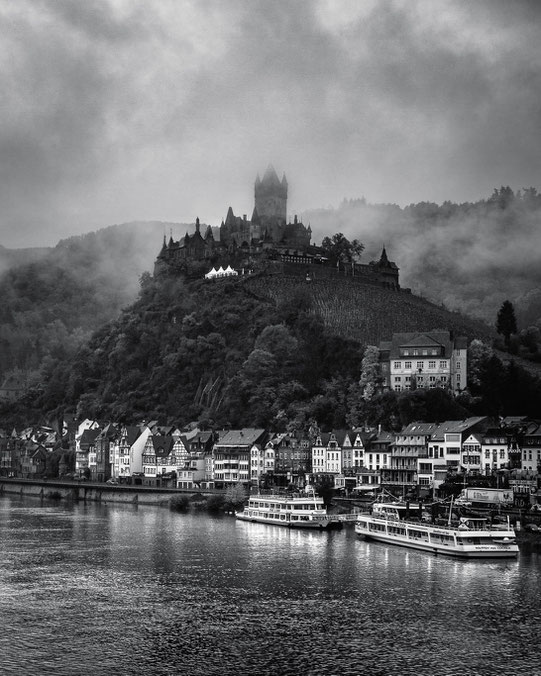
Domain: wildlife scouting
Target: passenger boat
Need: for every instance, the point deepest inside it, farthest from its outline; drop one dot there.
(298, 511)
(469, 537)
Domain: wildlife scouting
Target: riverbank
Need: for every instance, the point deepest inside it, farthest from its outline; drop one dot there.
(89, 492)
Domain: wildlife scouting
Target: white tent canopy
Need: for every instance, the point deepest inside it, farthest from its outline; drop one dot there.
(220, 272)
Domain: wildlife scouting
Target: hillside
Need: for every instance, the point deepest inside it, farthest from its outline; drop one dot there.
(53, 299)
(11, 258)
(470, 256)
(363, 312)
(257, 351)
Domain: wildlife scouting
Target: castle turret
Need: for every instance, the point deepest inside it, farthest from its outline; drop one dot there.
(271, 202)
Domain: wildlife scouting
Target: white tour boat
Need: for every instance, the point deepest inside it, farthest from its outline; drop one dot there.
(471, 538)
(298, 511)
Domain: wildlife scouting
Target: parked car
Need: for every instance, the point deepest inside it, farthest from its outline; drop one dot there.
(532, 528)
(112, 482)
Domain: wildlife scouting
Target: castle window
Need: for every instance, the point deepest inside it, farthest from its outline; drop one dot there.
(431, 364)
(397, 364)
(407, 365)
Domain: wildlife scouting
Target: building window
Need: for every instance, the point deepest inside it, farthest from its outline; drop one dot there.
(397, 364)
(397, 379)
(431, 364)
(458, 364)
(407, 365)
(443, 364)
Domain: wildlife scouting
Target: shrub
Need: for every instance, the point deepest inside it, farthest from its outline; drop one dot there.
(215, 503)
(179, 503)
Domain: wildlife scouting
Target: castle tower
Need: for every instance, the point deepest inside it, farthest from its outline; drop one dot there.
(271, 202)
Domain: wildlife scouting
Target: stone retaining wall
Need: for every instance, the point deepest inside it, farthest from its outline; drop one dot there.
(92, 493)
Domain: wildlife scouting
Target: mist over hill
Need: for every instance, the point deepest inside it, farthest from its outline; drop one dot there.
(53, 299)
(12, 258)
(470, 257)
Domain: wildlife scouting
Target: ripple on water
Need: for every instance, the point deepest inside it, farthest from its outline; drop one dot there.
(93, 590)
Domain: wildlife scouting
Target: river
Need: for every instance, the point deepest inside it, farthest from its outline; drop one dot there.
(121, 590)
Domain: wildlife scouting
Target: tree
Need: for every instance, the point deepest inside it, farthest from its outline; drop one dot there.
(370, 372)
(478, 355)
(506, 323)
(235, 496)
(340, 250)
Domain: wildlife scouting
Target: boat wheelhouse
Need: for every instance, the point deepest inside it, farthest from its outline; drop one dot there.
(469, 537)
(298, 511)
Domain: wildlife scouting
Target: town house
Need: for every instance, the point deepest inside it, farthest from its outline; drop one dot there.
(424, 360)
(232, 455)
(409, 463)
(327, 453)
(445, 447)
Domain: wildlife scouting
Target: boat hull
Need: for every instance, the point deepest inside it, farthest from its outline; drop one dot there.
(444, 541)
(495, 553)
(322, 524)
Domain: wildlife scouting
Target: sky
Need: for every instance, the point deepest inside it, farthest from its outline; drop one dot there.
(166, 110)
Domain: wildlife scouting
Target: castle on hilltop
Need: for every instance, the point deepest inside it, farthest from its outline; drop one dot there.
(266, 240)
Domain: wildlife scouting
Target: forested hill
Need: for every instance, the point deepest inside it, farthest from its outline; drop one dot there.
(55, 298)
(259, 351)
(11, 258)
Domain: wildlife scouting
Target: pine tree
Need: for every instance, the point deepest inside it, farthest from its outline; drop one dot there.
(506, 323)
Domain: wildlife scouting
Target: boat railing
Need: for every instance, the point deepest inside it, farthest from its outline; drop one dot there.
(443, 524)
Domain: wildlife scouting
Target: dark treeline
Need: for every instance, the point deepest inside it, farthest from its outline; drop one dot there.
(215, 353)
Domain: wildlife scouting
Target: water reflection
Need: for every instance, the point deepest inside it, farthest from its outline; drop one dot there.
(90, 589)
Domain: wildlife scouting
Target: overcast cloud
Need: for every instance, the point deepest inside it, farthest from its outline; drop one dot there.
(118, 110)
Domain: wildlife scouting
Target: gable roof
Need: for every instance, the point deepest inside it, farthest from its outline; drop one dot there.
(421, 340)
(163, 445)
(88, 437)
(244, 437)
(132, 434)
(390, 349)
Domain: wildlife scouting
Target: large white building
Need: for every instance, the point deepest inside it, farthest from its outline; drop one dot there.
(424, 360)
